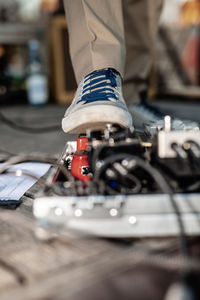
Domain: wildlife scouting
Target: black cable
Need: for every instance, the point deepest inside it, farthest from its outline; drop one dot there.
(131, 177)
(165, 187)
(161, 182)
(195, 149)
(189, 152)
(27, 129)
(181, 153)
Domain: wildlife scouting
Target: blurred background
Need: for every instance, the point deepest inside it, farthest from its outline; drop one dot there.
(35, 68)
(33, 34)
(178, 49)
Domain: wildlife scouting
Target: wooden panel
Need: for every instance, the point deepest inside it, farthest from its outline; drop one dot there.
(63, 75)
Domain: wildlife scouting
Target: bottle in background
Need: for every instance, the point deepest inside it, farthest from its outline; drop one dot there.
(37, 87)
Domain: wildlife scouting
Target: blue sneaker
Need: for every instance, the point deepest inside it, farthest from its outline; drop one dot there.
(97, 102)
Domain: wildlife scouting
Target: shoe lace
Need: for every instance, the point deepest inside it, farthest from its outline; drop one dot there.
(101, 86)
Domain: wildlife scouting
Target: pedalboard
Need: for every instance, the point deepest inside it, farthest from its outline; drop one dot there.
(120, 183)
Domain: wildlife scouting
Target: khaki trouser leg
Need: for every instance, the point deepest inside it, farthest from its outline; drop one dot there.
(96, 35)
(141, 18)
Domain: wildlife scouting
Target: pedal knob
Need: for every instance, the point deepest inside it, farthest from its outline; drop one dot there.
(82, 144)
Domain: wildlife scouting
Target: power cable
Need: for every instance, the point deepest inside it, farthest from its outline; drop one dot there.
(161, 182)
(27, 129)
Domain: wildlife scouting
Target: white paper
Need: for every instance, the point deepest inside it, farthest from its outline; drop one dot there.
(13, 187)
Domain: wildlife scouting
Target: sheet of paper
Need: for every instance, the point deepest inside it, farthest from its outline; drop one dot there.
(13, 187)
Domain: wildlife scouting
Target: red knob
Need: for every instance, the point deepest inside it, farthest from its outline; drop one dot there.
(82, 144)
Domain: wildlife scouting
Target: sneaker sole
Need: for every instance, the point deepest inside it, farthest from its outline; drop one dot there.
(95, 117)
